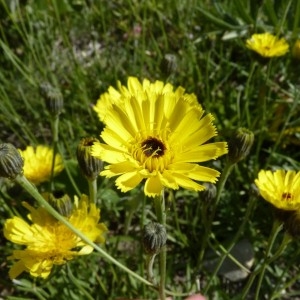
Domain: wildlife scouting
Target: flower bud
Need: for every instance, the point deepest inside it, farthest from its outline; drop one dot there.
(240, 144)
(210, 192)
(53, 98)
(11, 161)
(154, 237)
(89, 165)
(60, 202)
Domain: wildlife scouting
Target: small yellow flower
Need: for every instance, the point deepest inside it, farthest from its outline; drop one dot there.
(155, 133)
(49, 242)
(267, 45)
(281, 188)
(38, 163)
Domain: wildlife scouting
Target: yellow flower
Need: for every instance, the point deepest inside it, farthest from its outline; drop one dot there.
(155, 133)
(38, 163)
(49, 242)
(267, 45)
(280, 188)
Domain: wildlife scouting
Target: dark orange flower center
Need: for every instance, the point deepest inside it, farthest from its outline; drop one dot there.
(286, 196)
(153, 147)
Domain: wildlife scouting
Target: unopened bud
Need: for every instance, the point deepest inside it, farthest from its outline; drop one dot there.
(53, 98)
(209, 194)
(154, 237)
(89, 165)
(11, 161)
(60, 202)
(240, 145)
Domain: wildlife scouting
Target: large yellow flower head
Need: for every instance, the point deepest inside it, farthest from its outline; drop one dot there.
(281, 188)
(49, 242)
(155, 133)
(267, 45)
(38, 163)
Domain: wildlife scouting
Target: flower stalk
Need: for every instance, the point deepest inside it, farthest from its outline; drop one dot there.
(224, 176)
(276, 228)
(149, 263)
(263, 97)
(54, 127)
(233, 242)
(159, 203)
(268, 260)
(54, 103)
(93, 190)
(239, 147)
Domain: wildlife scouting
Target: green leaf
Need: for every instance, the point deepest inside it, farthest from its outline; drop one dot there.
(216, 20)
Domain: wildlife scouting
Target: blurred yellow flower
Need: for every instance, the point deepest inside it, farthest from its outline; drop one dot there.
(281, 188)
(155, 133)
(38, 163)
(267, 45)
(49, 242)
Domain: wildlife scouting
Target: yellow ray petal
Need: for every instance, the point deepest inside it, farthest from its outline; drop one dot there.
(128, 181)
(203, 153)
(153, 187)
(196, 172)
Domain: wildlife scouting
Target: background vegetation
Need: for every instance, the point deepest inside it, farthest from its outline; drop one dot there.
(83, 47)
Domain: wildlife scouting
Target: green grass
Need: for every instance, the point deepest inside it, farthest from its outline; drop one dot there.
(82, 48)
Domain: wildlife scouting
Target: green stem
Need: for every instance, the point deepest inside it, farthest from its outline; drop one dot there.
(93, 190)
(285, 241)
(284, 285)
(20, 179)
(296, 19)
(69, 173)
(225, 251)
(277, 226)
(159, 203)
(142, 222)
(233, 242)
(54, 127)
(57, 149)
(286, 122)
(222, 181)
(247, 95)
(283, 18)
(150, 262)
(208, 225)
(263, 98)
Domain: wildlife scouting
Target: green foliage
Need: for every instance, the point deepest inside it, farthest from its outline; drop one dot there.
(83, 47)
